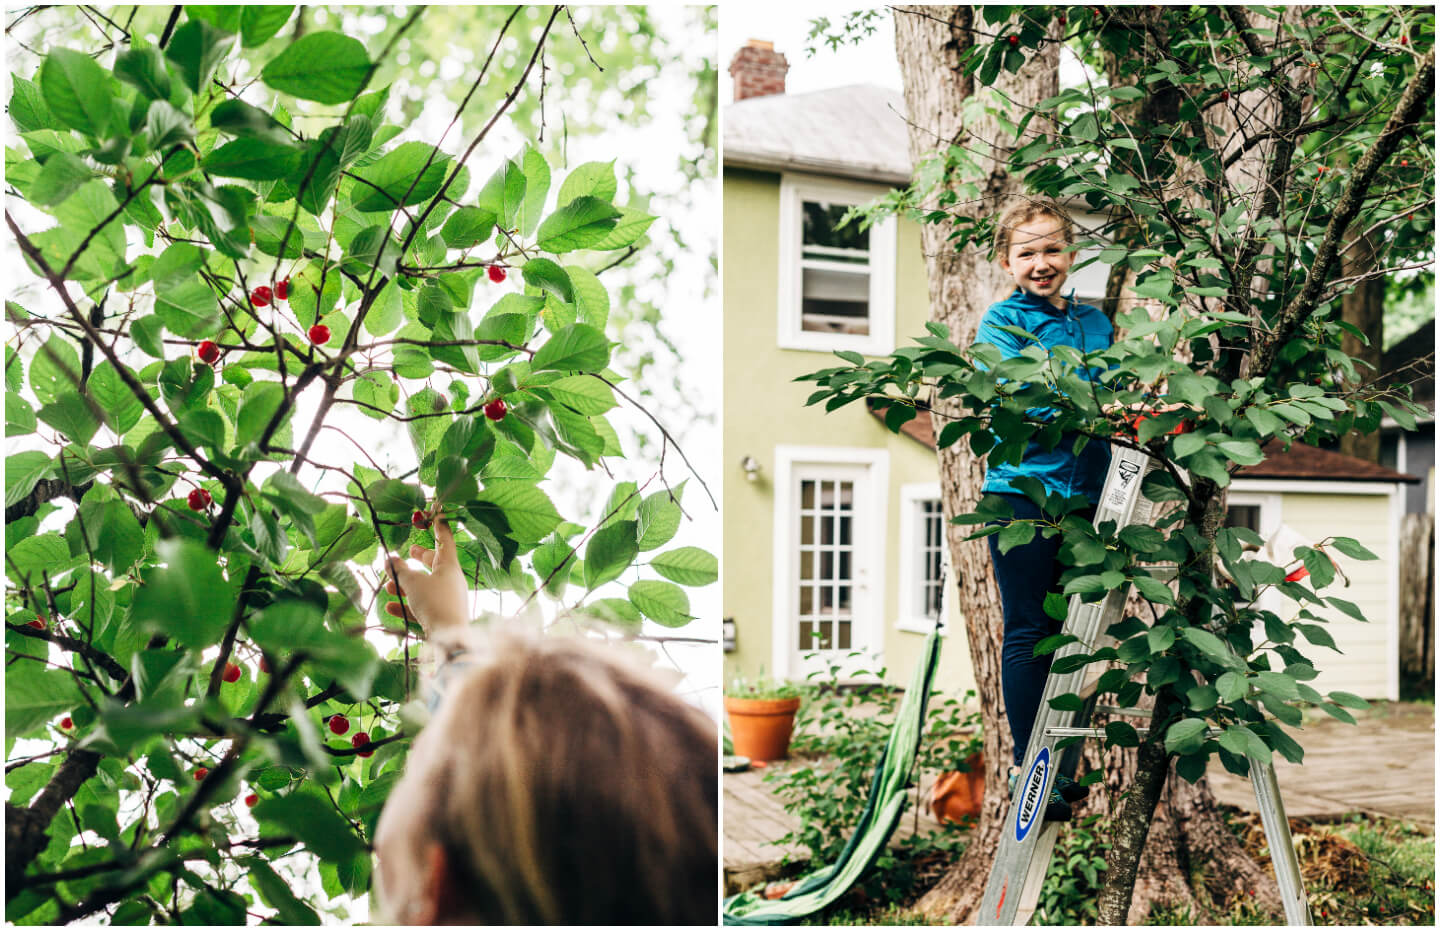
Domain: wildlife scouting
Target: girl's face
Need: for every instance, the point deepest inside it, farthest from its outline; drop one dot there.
(1037, 259)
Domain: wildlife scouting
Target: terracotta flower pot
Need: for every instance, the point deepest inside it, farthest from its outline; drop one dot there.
(956, 795)
(760, 727)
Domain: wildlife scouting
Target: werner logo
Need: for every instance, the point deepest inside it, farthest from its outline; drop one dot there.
(1128, 471)
(1032, 796)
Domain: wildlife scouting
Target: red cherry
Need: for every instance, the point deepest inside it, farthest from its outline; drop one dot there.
(282, 289)
(1404, 163)
(251, 800)
(208, 352)
(201, 773)
(260, 297)
(1321, 169)
(496, 273)
(1014, 41)
(319, 334)
(420, 520)
(1297, 575)
(66, 722)
(199, 499)
(38, 623)
(1060, 19)
(264, 665)
(339, 724)
(1404, 40)
(231, 673)
(1224, 95)
(1410, 217)
(362, 739)
(495, 410)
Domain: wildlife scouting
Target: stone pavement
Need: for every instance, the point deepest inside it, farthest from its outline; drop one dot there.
(1384, 766)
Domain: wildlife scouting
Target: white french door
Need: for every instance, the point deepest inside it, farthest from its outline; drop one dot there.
(828, 588)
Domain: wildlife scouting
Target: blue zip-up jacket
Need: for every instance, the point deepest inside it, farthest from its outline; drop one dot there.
(1084, 327)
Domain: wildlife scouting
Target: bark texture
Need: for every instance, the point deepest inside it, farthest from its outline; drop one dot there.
(929, 41)
(1364, 308)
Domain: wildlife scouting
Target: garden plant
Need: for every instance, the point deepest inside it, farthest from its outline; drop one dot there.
(241, 275)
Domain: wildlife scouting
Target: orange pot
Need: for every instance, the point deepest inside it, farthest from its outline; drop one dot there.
(956, 795)
(760, 727)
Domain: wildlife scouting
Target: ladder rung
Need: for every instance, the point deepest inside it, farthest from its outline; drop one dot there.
(1100, 732)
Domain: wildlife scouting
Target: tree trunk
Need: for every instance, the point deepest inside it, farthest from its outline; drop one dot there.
(1364, 308)
(928, 43)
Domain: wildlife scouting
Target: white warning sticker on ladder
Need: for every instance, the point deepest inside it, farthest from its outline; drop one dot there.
(1126, 483)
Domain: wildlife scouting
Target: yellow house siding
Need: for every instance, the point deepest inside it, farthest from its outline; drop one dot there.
(764, 408)
(1367, 649)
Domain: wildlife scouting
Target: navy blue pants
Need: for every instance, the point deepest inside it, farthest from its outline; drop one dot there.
(1025, 575)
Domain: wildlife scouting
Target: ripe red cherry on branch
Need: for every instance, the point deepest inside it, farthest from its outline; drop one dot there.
(1224, 95)
(362, 739)
(420, 520)
(208, 352)
(1060, 19)
(38, 623)
(319, 334)
(66, 722)
(282, 289)
(339, 724)
(1014, 41)
(251, 800)
(496, 273)
(260, 297)
(231, 673)
(199, 499)
(495, 410)
(201, 773)
(1404, 40)
(1404, 163)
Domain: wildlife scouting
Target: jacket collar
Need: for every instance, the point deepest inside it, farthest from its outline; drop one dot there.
(1028, 301)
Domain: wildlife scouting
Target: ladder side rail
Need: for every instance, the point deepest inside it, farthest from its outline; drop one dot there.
(1282, 846)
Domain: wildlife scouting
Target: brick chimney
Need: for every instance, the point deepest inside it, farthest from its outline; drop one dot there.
(758, 70)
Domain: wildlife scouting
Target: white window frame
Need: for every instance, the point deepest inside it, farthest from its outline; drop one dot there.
(911, 616)
(868, 627)
(1270, 519)
(794, 191)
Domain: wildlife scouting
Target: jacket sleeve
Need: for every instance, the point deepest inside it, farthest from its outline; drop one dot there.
(1010, 347)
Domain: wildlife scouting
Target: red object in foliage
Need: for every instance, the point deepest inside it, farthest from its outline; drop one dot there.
(496, 273)
(362, 739)
(264, 665)
(495, 410)
(260, 297)
(66, 722)
(1014, 41)
(38, 623)
(231, 673)
(1297, 575)
(338, 724)
(201, 773)
(251, 799)
(1224, 95)
(282, 289)
(420, 520)
(198, 499)
(319, 334)
(208, 352)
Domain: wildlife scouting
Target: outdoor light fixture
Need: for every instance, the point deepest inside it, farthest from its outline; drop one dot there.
(751, 465)
(727, 632)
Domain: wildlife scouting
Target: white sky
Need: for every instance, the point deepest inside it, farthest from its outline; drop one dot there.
(787, 25)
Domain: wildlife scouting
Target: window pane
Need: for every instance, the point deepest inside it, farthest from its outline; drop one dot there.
(821, 227)
(835, 300)
(807, 565)
(1244, 515)
(844, 638)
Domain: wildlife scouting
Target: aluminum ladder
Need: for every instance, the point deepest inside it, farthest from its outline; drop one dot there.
(1027, 840)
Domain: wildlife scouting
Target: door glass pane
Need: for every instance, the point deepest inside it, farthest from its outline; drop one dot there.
(827, 563)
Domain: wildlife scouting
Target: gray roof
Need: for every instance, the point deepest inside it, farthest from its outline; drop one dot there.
(857, 131)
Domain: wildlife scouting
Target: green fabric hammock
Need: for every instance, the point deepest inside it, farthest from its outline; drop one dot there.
(882, 813)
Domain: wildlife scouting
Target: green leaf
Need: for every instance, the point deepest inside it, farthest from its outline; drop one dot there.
(537, 185)
(1352, 548)
(579, 348)
(326, 67)
(22, 472)
(143, 67)
(659, 520)
(585, 393)
(391, 496)
(62, 175)
(1185, 736)
(662, 602)
(1231, 687)
(592, 179)
(55, 369)
(408, 174)
(1067, 702)
(529, 510)
(1212, 646)
(314, 821)
(77, 92)
(504, 193)
(35, 695)
(257, 406)
(179, 261)
(259, 22)
(1349, 700)
(578, 225)
(467, 227)
(549, 276)
(195, 49)
(239, 118)
(610, 552)
(71, 416)
(189, 309)
(1245, 452)
(687, 565)
(45, 551)
(629, 227)
(253, 158)
(188, 598)
(274, 890)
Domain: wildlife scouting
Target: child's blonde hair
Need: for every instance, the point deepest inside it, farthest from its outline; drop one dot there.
(567, 784)
(1023, 210)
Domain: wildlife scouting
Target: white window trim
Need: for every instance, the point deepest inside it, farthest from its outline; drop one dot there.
(794, 189)
(912, 618)
(1307, 487)
(872, 552)
(1270, 521)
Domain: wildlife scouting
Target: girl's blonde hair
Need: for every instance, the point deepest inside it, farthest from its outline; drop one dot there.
(1023, 210)
(568, 784)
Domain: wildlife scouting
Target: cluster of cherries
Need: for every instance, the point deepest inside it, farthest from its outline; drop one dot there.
(262, 296)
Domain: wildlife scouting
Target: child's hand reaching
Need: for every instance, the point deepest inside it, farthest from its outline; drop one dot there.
(435, 599)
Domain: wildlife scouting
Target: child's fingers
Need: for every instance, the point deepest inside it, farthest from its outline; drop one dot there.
(400, 573)
(423, 555)
(444, 541)
(393, 608)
